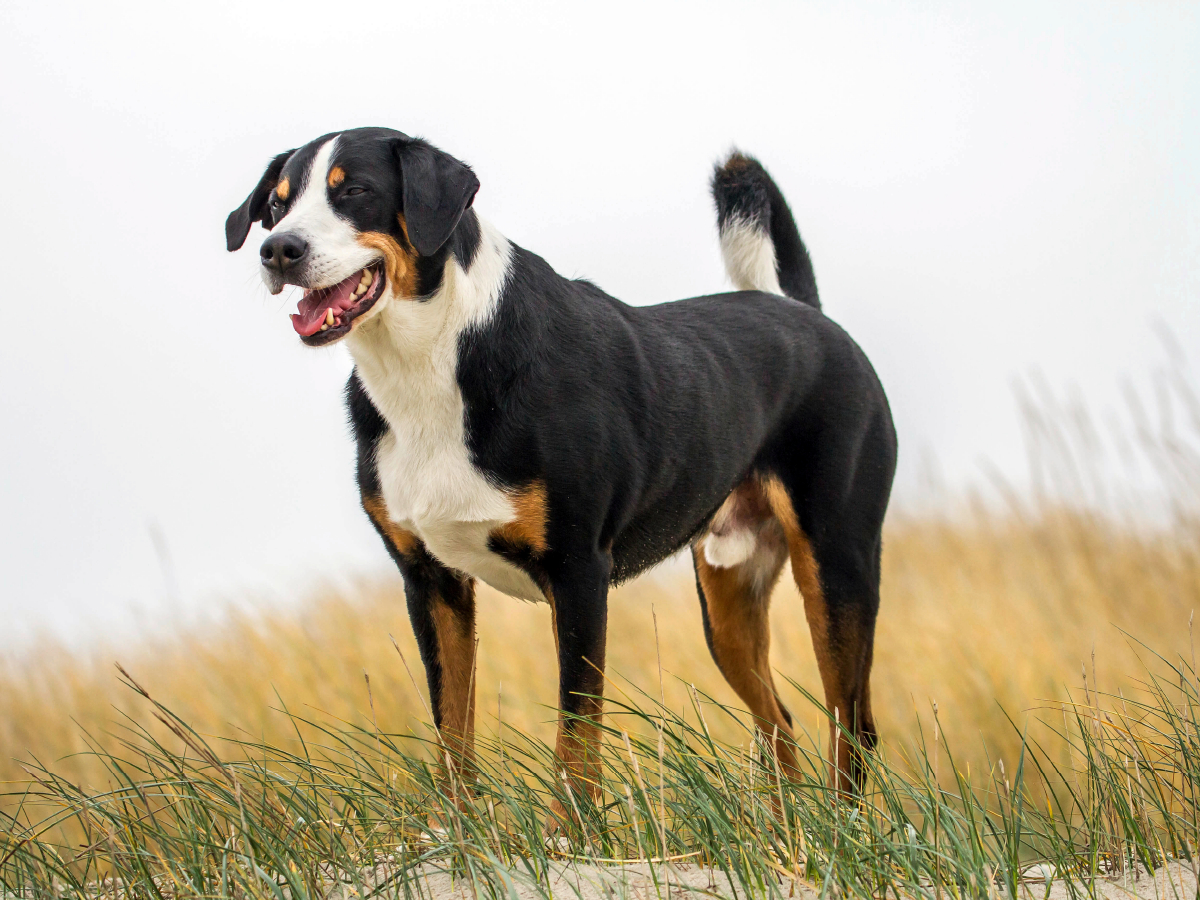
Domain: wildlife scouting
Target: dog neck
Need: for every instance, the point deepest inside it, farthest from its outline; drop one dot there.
(408, 353)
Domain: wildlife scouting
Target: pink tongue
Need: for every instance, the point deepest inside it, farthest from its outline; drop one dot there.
(310, 314)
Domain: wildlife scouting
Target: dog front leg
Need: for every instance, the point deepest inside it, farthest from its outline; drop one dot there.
(579, 586)
(441, 606)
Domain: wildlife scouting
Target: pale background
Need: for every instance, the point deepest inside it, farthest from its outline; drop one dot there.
(987, 190)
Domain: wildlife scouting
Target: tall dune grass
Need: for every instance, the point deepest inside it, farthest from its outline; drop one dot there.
(356, 811)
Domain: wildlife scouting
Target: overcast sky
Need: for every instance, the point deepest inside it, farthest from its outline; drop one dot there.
(985, 190)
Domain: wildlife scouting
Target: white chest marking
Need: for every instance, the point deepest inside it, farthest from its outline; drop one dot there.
(444, 500)
(407, 357)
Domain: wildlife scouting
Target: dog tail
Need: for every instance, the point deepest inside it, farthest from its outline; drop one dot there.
(759, 239)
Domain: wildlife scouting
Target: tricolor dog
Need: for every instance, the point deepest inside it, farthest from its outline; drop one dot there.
(532, 432)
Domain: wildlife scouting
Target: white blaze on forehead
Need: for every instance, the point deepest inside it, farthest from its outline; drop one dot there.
(334, 252)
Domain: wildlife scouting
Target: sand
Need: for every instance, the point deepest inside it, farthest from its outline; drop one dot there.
(581, 881)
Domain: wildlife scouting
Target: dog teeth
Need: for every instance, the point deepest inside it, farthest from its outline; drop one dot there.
(324, 327)
(329, 317)
(360, 290)
(365, 281)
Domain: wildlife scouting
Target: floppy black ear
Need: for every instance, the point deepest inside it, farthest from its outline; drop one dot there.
(237, 226)
(437, 190)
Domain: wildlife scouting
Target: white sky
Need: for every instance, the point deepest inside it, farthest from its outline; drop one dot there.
(984, 189)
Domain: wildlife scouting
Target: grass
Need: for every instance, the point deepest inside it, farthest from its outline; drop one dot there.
(981, 616)
(1035, 685)
(351, 807)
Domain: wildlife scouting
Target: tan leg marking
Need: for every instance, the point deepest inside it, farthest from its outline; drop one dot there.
(577, 745)
(837, 671)
(456, 657)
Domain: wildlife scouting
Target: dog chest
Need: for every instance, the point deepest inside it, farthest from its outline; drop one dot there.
(433, 490)
(407, 361)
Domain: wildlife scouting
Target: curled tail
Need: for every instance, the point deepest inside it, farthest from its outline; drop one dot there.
(759, 239)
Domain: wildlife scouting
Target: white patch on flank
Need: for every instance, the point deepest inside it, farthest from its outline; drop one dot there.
(754, 544)
(758, 554)
(724, 551)
(334, 252)
(749, 255)
(407, 357)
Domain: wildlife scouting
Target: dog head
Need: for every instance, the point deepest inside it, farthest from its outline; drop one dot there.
(355, 217)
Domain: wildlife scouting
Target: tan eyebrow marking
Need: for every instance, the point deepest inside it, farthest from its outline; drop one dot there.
(283, 188)
(336, 176)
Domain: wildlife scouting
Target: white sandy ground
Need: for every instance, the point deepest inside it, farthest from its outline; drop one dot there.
(641, 881)
(579, 881)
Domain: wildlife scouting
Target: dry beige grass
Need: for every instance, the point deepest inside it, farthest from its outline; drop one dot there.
(978, 612)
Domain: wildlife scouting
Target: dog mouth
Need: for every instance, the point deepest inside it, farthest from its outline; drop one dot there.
(325, 314)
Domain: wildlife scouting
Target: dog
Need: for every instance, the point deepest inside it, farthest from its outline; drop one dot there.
(532, 432)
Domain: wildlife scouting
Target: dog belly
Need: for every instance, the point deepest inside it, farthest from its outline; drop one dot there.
(463, 546)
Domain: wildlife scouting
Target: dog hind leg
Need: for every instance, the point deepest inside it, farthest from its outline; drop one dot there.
(838, 577)
(737, 565)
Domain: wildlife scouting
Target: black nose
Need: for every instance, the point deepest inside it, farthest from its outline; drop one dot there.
(282, 251)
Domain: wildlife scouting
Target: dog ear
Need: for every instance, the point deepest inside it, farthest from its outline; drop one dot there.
(237, 226)
(437, 190)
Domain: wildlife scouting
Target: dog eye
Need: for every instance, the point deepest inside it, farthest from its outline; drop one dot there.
(355, 190)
